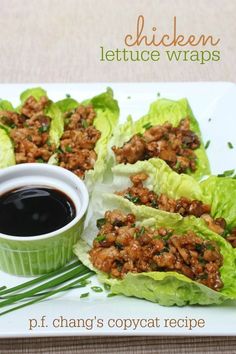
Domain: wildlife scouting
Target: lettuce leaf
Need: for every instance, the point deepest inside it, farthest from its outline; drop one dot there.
(161, 111)
(52, 110)
(165, 288)
(57, 124)
(220, 193)
(161, 179)
(107, 114)
(6, 106)
(7, 155)
(36, 92)
(67, 104)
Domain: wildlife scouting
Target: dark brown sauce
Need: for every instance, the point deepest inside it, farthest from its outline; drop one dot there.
(32, 211)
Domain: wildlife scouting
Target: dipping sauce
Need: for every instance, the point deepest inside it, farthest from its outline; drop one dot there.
(32, 211)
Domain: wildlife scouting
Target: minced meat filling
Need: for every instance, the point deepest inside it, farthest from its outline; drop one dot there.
(121, 247)
(30, 135)
(76, 152)
(174, 145)
(30, 131)
(140, 195)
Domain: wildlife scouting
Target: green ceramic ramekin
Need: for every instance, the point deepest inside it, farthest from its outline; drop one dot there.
(42, 253)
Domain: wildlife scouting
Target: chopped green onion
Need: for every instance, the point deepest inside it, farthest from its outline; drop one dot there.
(207, 144)
(230, 145)
(97, 289)
(100, 222)
(131, 198)
(68, 148)
(85, 282)
(147, 125)
(68, 95)
(100, 238)
(203, 276)
(85, 123)
(225, 233)
(202, 260)
(198, 247)
(40, 160)
(140, 232)
(210, 247)
(59, 150)
(154, 203)
(111, 295)
(43, 129)
(118, 245)
(177, 165)
(107, 286)
(226, 173)
(84, 295)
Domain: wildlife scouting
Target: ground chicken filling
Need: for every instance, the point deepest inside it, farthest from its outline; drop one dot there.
(30, 135)
(76, 152)
(30, 131)
(140, 195)
(121, 247)
(174, 145)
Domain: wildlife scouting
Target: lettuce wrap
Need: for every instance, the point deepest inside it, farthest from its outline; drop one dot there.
(166, 288)
(107, 115)
(220, 193)
(217, 192)
(7, 155)
(160, 112)
(57, 122)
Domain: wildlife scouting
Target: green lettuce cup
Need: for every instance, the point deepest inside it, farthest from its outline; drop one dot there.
(160, 112)
(21, 141)
(51, 110)
(214, 198)
(33, 255)
(107, 114)
(166, 288)
(33, 98)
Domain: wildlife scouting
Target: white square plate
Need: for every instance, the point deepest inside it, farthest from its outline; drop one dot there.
(213, 104)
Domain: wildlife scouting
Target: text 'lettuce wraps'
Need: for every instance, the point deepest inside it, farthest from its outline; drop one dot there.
(170, 132)
(88, 127)
(153, 184)
(168, 261)
(32, 130)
